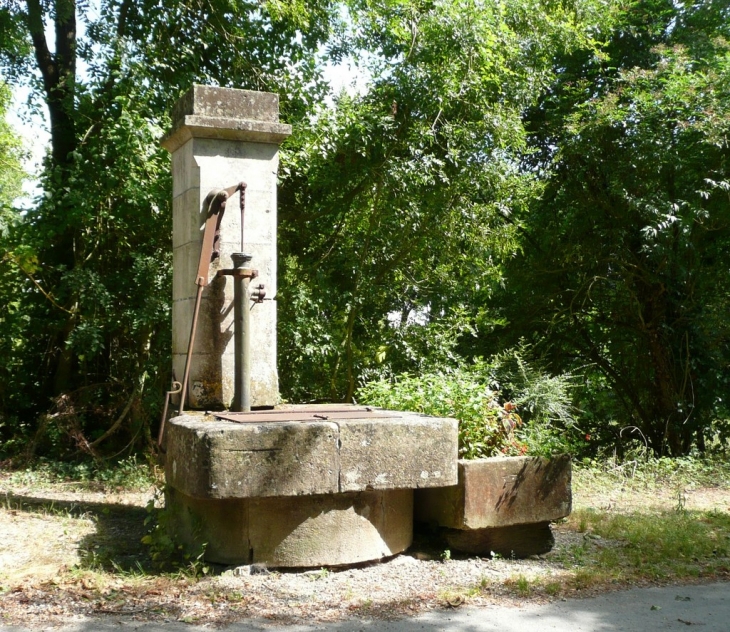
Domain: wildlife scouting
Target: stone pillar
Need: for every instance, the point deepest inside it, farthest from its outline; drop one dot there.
(221, 137)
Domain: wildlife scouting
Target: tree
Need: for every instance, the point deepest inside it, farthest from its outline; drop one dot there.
(395, 204)
(11, 177)
(90, 262)
(11, 167)
(624, 257)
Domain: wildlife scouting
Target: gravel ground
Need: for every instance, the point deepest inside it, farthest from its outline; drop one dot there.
(53, 570)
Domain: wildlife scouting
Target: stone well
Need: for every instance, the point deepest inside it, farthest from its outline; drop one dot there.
(303, 492)
(293, 486)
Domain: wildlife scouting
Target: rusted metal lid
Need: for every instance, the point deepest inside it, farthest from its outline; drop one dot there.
(323, 412)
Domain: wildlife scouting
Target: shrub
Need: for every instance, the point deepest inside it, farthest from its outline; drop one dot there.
(486, 426)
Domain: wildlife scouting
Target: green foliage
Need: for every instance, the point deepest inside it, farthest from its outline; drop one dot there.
(85, 274)
(543, 181)
(486, 427)
(105, 334)
(11, 170)
(396, 204)
(165, 553)
(545, 401)
(127, 474)
(622, 271)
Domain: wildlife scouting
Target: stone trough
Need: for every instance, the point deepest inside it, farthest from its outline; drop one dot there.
(500, 505)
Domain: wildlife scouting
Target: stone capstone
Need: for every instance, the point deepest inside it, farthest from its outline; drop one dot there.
(226, 114)
(220, 459)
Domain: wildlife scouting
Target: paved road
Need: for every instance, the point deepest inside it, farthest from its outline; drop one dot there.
(640, 610)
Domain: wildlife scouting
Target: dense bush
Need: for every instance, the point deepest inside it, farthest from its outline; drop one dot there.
(486, 426)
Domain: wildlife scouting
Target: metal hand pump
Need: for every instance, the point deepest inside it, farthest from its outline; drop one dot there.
(208, 252)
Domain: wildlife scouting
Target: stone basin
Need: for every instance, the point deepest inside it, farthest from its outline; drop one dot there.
(304, 493)
(500, 505)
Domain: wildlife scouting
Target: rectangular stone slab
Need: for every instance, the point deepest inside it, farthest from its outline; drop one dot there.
(498, 492)
(219, 459)
(209, 458)
(409, 452)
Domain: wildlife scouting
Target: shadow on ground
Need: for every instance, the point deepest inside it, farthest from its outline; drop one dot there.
(115, 544)
(647, 609)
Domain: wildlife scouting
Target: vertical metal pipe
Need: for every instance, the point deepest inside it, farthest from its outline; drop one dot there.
(241, 334)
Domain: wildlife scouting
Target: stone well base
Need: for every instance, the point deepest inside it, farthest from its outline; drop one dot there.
(299, 531)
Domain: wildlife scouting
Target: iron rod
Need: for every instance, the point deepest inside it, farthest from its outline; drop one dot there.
(241, 335)
(191, 344)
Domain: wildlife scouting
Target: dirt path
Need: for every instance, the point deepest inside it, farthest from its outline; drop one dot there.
(66, 554)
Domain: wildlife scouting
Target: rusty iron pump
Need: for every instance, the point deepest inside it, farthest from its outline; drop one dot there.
(215, 205)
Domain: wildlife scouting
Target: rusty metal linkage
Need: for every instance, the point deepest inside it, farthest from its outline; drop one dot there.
(209, 251)
(176, 388)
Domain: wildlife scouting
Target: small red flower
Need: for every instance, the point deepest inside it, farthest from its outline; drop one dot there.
(588, 437)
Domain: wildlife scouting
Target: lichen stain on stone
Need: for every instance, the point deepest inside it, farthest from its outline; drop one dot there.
(206, 393)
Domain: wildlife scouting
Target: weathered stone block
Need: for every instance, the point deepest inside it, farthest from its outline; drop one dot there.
(407, 451)
(219, 102)
(500, 492)
(228, 460)
(225, 113)
(305, 531)
(221, 459)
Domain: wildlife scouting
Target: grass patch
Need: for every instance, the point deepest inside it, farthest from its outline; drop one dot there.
(520, 584)
(631, 548)
(645, 472)
(670, 544)
(127, 475)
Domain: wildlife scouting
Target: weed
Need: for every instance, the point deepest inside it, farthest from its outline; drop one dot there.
(584, 578)
(446, 555)
(523, 586)
(322, 573)
(553, 588)
(681, 496)
(520, 584)
(477, 589)
(165, 552)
